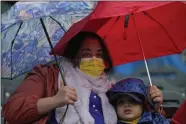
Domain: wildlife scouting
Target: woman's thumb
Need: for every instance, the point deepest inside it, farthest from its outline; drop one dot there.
(61, 84)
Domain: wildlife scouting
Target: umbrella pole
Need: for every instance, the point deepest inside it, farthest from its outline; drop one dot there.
(50, 43)
(146, 66)
(143, 54)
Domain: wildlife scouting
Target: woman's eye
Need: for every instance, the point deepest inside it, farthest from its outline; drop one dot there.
(99, 55)
(86, 55)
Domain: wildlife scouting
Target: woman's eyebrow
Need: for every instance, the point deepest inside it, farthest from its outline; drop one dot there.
(86, 49)
(100, 50)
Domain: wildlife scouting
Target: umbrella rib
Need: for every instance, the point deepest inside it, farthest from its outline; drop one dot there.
(23, 72)
(9, 26)
(58, 23)
(12, 46)
(106, 34)
(147, 14)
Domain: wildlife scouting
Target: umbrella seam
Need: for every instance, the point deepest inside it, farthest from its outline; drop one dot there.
(12, 46)
(147, 14)
(58, 23)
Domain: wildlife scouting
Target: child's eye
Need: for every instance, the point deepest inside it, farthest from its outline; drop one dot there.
(134, 102)
(121, 102)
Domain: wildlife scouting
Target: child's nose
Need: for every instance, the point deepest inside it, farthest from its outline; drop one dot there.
(126, 105)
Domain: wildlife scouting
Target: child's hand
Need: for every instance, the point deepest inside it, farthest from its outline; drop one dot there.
(156, 96)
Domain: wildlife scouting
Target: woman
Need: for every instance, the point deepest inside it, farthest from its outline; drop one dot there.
(42, 98)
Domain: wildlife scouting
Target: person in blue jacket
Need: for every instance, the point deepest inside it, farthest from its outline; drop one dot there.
(130, 100)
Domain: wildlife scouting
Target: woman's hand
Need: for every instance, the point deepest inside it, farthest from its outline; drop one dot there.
(156, 96)
(65, 95)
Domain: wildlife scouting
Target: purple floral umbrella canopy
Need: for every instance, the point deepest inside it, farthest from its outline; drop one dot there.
(24, 42)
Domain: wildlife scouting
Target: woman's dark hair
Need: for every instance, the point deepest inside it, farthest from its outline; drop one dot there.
(75, 43)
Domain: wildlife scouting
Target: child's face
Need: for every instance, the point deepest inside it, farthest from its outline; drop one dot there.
(128, 109)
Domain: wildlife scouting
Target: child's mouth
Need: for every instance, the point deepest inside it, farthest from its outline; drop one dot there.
(128, 111)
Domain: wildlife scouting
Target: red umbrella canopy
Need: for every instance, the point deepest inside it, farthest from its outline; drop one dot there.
(131, 29)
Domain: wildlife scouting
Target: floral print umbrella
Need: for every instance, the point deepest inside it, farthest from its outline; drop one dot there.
(23, 40)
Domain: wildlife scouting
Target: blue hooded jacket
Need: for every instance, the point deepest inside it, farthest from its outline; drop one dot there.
(134, 85)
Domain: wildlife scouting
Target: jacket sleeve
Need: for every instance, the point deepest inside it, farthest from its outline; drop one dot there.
(21, 107)
(159, 119)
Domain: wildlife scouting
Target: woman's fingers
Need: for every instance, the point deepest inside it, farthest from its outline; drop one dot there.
(157, 99)
(66, 95)
(155, 94)
(71, 91)
(61, 84)
(72, 97)
(71, 94)
(70, 102)
(153, 89)
(71, 88)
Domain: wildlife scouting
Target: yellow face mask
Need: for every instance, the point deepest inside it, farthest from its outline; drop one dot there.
(92, 66)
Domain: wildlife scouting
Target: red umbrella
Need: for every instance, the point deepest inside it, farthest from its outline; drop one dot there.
(135, 30)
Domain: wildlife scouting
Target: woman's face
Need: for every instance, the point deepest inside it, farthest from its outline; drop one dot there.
(90, 58)
(91, 48)
(127, 109)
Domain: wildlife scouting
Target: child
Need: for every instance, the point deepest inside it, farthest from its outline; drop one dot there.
(129, 98)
